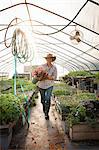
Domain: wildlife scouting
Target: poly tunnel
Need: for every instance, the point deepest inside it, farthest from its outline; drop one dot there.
(30, 31)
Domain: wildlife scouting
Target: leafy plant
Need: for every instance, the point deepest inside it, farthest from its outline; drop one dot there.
(76, 115)
(85, 96)
(97, 76)
(7, 86)
(80, 73)
(73, 105)
(10, 108)
(62, 89)
(61, 92)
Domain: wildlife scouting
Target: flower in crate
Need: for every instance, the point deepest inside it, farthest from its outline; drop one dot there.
(39, 74)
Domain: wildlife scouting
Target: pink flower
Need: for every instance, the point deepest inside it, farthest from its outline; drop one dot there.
(39, 72)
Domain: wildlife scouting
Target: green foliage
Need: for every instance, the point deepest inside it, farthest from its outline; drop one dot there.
(71, 120)
(97, 76)
(71, 106)
(81, 73)
(76, 116)
(85, 96)
(5, 84)
(61, 92)
(10, 108)
(60, 84)
(27, 86)
(67, 101)
(72, 101)
(91, 121)
(62, 89)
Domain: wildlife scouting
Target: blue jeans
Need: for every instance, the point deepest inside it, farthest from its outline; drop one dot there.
(46, 98)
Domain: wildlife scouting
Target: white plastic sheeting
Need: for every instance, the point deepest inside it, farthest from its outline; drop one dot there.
(43, 22)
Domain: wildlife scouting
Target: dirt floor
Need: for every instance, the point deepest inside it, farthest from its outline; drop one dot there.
(46, 134)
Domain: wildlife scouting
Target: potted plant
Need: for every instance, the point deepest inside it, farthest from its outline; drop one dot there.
(82, 121)
(9, 113)
(39, 72)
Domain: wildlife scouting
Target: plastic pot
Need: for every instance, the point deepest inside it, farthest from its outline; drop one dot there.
(5, 136)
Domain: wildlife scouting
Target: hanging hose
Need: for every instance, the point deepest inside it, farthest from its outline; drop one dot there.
(20, 46)
(20, 51)
(26, 114)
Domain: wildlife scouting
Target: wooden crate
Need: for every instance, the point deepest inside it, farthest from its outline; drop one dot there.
(84, 132)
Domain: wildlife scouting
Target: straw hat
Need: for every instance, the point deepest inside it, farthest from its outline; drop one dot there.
(50, 56)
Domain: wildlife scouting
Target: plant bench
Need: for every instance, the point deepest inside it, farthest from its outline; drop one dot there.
(84, 131)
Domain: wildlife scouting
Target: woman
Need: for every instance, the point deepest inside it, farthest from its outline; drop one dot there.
(46, 84)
